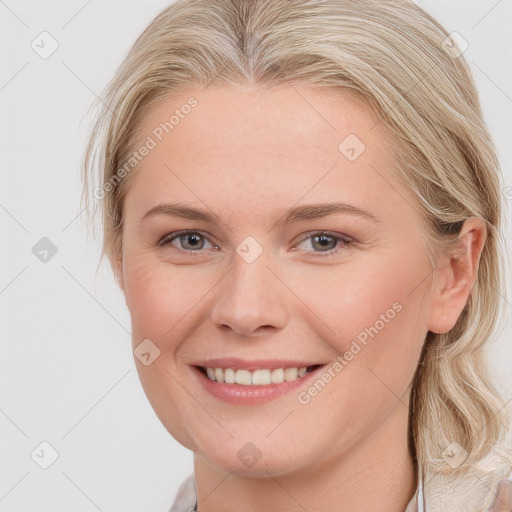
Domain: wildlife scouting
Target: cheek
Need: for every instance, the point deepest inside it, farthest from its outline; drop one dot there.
(159, 296)
(352, 297)
(159, 299)
(378, 313)
(145, 297)
(374, 313)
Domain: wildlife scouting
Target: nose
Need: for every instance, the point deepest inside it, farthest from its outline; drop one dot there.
(251, 299)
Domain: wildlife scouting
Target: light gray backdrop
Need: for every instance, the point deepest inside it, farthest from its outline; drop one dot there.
(67, 375)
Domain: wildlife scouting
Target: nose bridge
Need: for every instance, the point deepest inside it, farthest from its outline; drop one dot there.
(250, 296)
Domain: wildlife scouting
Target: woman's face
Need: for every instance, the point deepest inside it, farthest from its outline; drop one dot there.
(274, 278)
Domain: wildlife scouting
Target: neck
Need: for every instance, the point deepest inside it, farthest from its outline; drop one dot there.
(377, 474)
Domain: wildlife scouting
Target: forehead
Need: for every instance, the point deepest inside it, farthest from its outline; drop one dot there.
(243, 144)
(254, 116)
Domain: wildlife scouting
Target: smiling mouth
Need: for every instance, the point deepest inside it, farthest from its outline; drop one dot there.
(259, 377)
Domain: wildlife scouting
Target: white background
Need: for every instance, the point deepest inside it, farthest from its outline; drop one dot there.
(67, 374)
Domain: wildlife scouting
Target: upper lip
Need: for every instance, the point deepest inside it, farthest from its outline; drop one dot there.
(237, 363)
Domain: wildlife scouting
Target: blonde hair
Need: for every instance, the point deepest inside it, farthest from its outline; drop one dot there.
(398, 60)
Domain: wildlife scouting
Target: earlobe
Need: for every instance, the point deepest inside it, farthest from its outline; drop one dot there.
(455, 275)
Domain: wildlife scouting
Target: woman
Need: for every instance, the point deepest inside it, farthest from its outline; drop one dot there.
(301, 203)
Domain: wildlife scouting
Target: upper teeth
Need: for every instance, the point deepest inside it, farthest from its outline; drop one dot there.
(256, 377)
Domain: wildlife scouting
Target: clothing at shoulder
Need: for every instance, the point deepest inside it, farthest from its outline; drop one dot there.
(473, 492)
(185, 500)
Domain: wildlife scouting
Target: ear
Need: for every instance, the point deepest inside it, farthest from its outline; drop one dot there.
(455, 274)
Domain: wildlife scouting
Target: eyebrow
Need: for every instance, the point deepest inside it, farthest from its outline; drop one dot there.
(293, 215)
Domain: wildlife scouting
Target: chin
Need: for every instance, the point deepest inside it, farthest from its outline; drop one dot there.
(253, 460)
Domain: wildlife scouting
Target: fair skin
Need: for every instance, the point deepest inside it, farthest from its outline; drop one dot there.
(247, 155)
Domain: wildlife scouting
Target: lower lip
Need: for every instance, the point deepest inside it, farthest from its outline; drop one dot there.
(244, 395)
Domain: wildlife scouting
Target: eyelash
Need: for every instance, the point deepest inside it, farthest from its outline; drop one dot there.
(167, 239)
